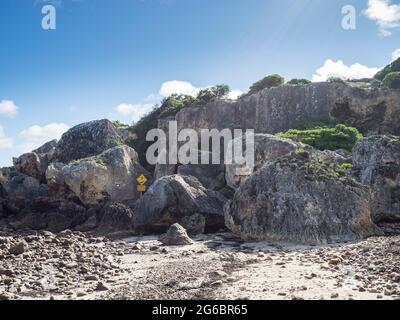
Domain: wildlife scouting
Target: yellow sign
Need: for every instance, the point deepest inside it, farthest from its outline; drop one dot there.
(141, 188)
(142, 180)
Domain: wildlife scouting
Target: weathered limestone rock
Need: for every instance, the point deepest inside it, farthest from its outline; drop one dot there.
(171, 198)
(50, 214)
(211, 176)
(373, 109)
(110, 176)
(35, 163)
(176, 236)
(194, 224)
(87, 140)
(115, 217)
(300, 199)
(267, 148)
(377, 164)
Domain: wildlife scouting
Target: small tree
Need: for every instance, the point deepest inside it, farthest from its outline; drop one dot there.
(298, 82)
(216, 92)
(271, 81)
(392, 80)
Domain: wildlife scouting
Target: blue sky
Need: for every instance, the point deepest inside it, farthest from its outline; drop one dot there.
(110, 59)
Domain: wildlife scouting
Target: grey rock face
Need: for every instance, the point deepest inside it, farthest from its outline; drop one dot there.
(35, 163)
(299, 199)
(171, 198)
(273, 110)
(51, 214)
(110, 176)
(194, 224)
(21, 186)
(2, 200)
(211, 176)
(267, 148)
(176, 236)
(87, 140)
(377, 164)
(115, 217)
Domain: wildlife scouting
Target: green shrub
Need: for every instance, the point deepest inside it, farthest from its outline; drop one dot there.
(392, 80)
(271, 81)
(336, 80)
(325, 137)
(209, 94)
(344, 168)
(298, 82)
(393, 67)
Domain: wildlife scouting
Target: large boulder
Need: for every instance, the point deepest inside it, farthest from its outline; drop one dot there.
(300, 199)
(171, 198)
(377, 164)
(211, 176)
(108, 177)
(115, 217)
(35, 163)
(87, 140)
(267, 148)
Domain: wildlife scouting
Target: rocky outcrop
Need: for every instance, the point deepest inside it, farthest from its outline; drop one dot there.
(108, 177)
(176, 236)
(370, 108)
(51, 214)
(267, 148)
(20, 188)
(300, 199)
(377, 164)
(211, 176)
(115, 217)
(2, 200)
(172, 198)
(35, 163)
(87, 140)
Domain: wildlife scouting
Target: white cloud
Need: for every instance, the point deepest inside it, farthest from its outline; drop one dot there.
(8, 108)
(178, 87)
(234, 94)
(340, 70)
(5, 142)
(36, 136)
(385, 14)
(134, 111)
(395, 54)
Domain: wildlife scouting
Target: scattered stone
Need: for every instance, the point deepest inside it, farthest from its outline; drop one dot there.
(176, 236)
(19, 248)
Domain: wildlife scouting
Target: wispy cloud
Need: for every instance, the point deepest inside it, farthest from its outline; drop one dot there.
(385, 14)
(35, 136)
(395, 54)
(8, 108)
(5, 142)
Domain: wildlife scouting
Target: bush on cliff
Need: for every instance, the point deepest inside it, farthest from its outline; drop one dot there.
(271, 81)
(298, 82)
(207, 95)
(392, 80)
(325, 137)
(169, 108)
(393, 67)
